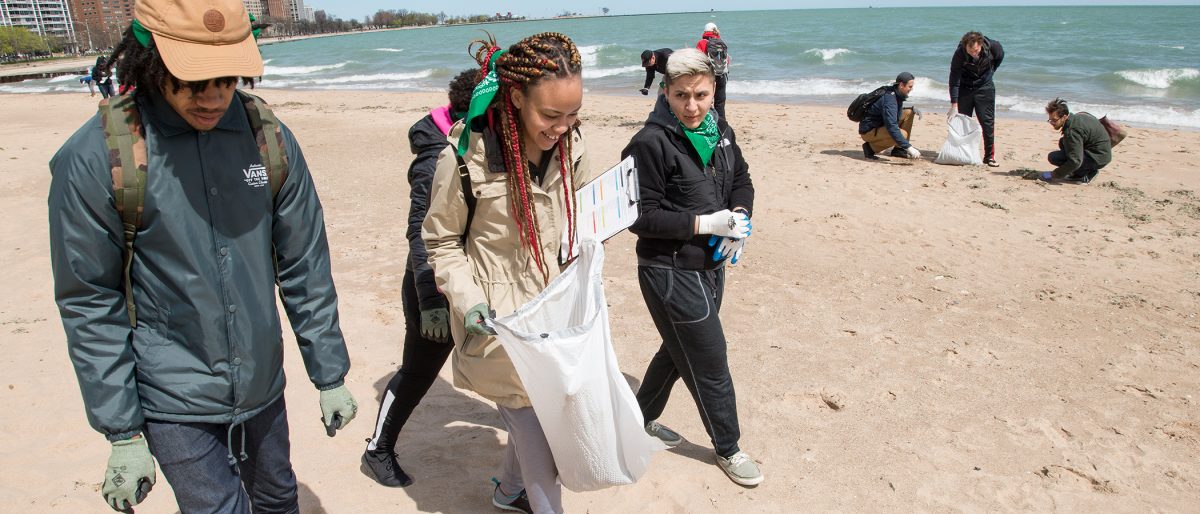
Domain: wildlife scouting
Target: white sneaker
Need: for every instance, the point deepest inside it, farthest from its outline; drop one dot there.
(741, 469)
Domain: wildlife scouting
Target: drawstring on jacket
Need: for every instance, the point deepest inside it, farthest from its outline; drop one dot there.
(229, 443)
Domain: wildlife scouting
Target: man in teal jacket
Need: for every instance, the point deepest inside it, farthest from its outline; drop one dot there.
(1084, 148)
(197, 378)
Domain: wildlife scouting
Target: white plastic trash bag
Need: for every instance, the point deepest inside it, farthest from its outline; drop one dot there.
(561, 346)
(962, 142)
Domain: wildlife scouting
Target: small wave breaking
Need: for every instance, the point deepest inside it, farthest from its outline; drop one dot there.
(300, 70)
(1159, 78)
(828, 54)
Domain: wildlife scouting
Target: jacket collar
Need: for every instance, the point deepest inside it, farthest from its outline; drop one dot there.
(169, 123)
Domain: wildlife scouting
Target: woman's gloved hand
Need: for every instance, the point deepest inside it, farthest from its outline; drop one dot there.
(724, 223)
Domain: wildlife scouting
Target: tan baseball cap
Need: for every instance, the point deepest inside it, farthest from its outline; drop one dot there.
(201, 39)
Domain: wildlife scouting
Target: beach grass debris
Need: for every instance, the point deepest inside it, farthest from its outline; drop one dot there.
(1025, 173)
(991, 205)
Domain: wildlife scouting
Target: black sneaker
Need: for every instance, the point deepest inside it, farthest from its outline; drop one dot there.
(516, 503)
(382, 467)
(868, 152)
(899, 152)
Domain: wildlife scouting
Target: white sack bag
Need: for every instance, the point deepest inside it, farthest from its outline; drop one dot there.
(561, 345)
(962, 142)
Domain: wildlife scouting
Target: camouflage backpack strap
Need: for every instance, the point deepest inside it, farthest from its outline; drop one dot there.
(268, 133)
(126, 143)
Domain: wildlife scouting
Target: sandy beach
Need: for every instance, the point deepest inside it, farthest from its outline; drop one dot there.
(904, 336)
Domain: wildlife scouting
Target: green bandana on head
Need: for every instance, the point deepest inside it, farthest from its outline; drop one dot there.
(144, 37)
(481, 98)
(703, 138)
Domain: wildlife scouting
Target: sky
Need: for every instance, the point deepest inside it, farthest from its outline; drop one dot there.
(357, 9)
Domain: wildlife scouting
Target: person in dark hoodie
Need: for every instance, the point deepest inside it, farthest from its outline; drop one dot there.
(971, 89)
(888, 124)
(1084, 149)
(427, 342)
(655, 61)
(695, 207)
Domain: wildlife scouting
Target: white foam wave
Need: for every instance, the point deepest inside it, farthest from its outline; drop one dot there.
(300, 70)
(1176, 47)
(590, 54)
(389, 49)
(378, 77)
(25, 89)
(64, 78)
(924, 88)
(267, 61)
(1160, 78)
(828, 54)
(1122, 113)
(595, 73)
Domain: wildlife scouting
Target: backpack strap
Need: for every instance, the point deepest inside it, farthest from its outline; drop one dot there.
(269, 136)
(464, 178)
(124, 137)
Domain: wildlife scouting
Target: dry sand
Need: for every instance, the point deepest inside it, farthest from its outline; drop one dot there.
(903, 336)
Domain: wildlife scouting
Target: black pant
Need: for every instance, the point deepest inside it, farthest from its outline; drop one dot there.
(685, 307)
(423, 359)
(981, 102)
(1087, 171)
(719, 96)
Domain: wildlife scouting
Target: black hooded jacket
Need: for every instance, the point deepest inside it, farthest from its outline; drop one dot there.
(426, 141)
(968, 72)
(675, 189)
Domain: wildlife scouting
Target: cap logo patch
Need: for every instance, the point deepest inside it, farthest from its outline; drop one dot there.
(214, 21)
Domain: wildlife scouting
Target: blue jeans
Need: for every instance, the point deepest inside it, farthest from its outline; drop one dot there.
(194, 458)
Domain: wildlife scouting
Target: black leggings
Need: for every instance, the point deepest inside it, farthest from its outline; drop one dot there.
(982, 103)
(423, 359)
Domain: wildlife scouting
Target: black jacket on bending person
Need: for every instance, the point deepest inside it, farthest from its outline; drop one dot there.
(675, 189)
(427, 141)
(972, 73)
(660, 65)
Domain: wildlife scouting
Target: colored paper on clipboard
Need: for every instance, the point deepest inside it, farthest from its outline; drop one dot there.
(607, 205)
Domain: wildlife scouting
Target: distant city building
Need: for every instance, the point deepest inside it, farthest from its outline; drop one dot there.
(254, 7)
(51, 18)
(308, 14)
(100, 23)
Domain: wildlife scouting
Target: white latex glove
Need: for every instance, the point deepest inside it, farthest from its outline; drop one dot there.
(913, 153)
(724, 223)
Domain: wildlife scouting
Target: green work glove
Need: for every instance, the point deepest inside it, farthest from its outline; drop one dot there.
(475, 320)
(337, 409)
(435, 324)
(129, 475)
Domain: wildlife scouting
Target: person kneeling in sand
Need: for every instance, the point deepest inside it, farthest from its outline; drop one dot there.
(888, 124)
(1084, 148)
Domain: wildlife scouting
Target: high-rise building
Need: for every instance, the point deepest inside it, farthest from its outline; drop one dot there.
(295, 9)
(100, 23)
(51, 18)
(254, 7)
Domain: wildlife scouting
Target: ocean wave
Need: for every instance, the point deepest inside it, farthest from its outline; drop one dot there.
(1159, 78)
(589, 55)
(1153, 115)
(300, 70)
(1175, 47)
(399, 80)
(595, 73)
(924, 88)
(25, 89)
(828, 54)
(389, 49)
(65, 78)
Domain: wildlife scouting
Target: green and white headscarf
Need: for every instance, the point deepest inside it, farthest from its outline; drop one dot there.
(481, 99)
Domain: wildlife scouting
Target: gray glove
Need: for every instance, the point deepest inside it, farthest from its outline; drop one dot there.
(474, 320)
(435, 324)
(129, 475)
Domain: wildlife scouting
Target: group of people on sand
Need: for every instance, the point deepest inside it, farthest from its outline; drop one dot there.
(181, 212)
(1084, 149)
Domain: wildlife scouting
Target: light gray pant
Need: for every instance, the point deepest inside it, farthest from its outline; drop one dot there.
(528, 462)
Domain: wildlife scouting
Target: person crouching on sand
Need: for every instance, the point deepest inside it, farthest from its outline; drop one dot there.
(1083, 150)
(888, 124)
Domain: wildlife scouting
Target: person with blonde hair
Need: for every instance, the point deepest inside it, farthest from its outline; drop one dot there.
(694, 216)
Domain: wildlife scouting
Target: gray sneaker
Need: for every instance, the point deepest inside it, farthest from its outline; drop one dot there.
(664, 434)
(741, 469)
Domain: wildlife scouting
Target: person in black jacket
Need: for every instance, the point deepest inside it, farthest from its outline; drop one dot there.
(654, 61)
(971, 88)
(427, 342)
(695, 207)
(888, 124)
(102, 76)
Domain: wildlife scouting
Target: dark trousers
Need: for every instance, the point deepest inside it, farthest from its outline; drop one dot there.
(981, 103)
(423, 359)
(106, 88)
(194, 458)
(1086, 172)
(719, 96)
(685, 307)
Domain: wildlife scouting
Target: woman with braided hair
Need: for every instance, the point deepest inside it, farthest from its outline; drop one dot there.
(501, 200)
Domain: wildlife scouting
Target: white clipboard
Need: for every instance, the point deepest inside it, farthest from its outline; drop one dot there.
(606, 206)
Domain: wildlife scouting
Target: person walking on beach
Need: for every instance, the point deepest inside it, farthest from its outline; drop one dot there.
(427, 341)
(502, 198)
(888, 124)
(1083, 150)
(175, 336)
(972, 91)
(102, 76)
(694, 215)
(655, 61)
(712, 45)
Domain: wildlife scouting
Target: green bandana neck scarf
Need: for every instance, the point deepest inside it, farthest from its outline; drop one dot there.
(703, 138)
(144, 38)
(481, 98)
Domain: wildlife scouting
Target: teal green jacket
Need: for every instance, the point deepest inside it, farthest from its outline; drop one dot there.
(1083, 134)
(208, 344)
